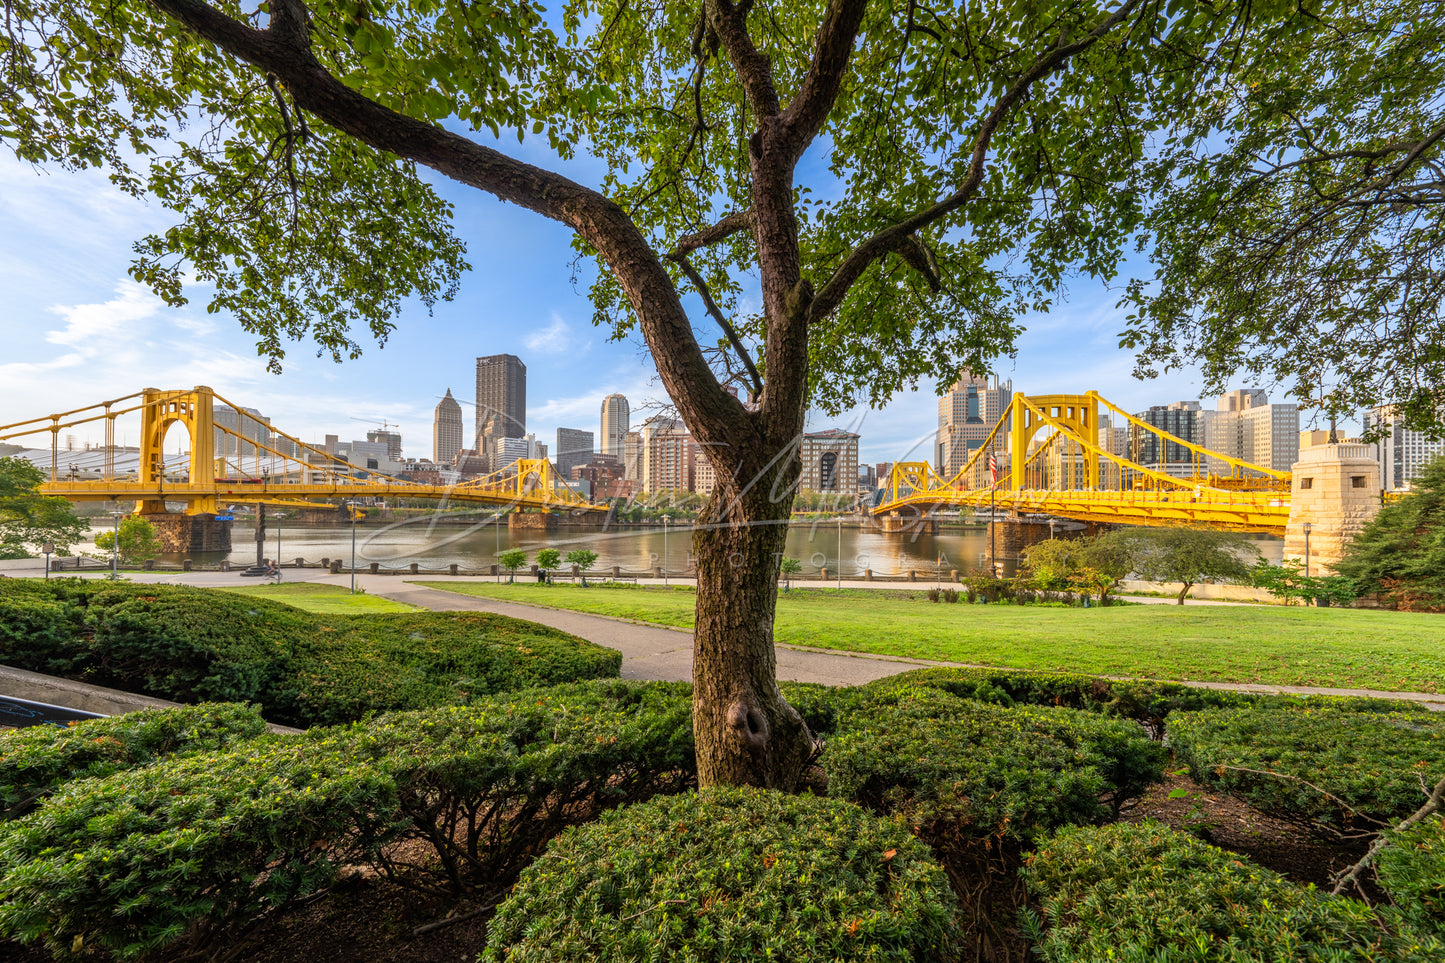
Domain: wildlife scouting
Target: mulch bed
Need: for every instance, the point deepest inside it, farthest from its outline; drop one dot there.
(363, 920)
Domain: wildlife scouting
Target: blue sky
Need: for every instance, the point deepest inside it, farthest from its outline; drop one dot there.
(77, 330)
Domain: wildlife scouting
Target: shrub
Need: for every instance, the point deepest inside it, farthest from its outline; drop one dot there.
(823, 707)
(175, 856)
(950, 595)
(191, 645)
(37, 760)
(1146, 893)
(485, 787)
(963, 771)
(1412, 870)
(1148, 703)
(1372, 761)
(729, 874)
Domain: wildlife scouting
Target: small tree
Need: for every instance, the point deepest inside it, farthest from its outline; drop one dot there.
(789, 567)
(1190, 556)
(584, 559)
(28, 518)
(1052, 563)
(138, 541)
(1103, 561)
(549, 559)
(1401, 553)
(511, 560)
(1285, 581)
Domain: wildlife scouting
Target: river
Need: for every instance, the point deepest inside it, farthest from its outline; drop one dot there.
(398, 544)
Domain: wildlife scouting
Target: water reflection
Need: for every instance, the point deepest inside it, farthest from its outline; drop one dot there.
(477, 544)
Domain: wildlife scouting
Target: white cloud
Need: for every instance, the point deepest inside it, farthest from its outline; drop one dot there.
(555, 337)
(88, 325)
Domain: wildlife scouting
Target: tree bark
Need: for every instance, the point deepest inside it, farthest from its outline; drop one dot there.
(1184, 591)
(746, 732)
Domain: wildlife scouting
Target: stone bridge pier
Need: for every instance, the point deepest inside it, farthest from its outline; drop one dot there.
(1335, 492)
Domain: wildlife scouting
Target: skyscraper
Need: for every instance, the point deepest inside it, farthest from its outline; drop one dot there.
(1402, 452)
(966, 414)
(446, 430)
(574, 447)
(501, 391)
(1246, 426)
(615, 415)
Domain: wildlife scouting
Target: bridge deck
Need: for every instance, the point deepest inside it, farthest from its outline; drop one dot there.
(1266, 512)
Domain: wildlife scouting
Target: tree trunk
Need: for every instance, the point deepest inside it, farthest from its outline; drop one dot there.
(746, 733)
(1185, 591)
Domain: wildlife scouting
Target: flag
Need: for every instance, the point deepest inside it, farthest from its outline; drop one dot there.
(992, 468)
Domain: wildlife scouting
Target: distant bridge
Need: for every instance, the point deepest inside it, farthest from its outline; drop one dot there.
(1054, 456)
(269, 465)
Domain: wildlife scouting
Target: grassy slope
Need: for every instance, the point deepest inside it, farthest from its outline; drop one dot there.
(322, 599)
(1271, 644)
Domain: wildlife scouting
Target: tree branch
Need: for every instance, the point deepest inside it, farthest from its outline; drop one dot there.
(723, 229)
(729, 24)
(721, 319)
(599, 221)
(1432, 805)
(819, 89)
(890, 238)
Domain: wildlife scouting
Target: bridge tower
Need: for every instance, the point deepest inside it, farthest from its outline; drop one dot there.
(1078, 413)
(1336, 490)
(195, 530)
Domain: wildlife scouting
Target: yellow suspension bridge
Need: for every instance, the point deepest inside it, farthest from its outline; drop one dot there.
(269, 466)
(1052, 455)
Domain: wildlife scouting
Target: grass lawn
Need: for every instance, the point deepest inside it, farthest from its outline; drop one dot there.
(323, 599)
(1345, 648)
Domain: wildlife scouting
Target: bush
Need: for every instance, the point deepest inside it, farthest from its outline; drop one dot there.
(37, 760)
(1148, 703)
(1412, 870)
(729, 874)
(193, 645)
(1373, 761)
(823, 707)
(964, 771)
(485, 787)
(174, 854)
(177, 855)
(1147, 893)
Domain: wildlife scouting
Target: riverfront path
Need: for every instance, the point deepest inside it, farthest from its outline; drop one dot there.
(651, 651)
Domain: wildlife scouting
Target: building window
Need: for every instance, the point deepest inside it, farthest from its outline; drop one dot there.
(828, 472)
(1306, 483)
(1357, 481)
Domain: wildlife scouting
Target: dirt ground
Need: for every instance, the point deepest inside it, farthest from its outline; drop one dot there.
(365, 921)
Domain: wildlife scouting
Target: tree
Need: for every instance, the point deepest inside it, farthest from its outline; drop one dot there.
(511, 560)
(1101, 562)
(1051, 562)
(1285, 581)
(975, 154)
(1400, 554)
(549, 558)
(1190, 555)
(138, 541)
(1298, 235)
(583, 559)
(29, 519)
(788, 567)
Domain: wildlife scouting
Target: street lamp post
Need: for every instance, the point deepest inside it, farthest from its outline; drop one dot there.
(352, 507)
(840, 553)
(115, 547)
(1307, 555)
(278, 516)
(47, 548)
(665, 520)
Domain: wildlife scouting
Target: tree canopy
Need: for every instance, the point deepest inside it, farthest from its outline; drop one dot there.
(29, 519)
(1298, 237)
(1191, 555)
(1400, 554)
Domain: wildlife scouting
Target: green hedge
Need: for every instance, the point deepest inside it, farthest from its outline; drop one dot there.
(965, 770)
(1146, 893)
(1412, 870)
(730, 874)
(1148, 703)
(193, 645)
(37, 760)
(1373, 762)
(178, 854)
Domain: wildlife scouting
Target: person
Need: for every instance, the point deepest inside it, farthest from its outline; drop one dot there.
(272, 570)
